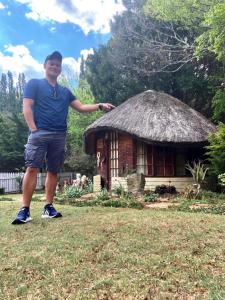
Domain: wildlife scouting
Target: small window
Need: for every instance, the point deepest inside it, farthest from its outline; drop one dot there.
(142, 164)
(114, 154)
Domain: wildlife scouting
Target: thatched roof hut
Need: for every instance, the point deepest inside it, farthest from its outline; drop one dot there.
(153, 117)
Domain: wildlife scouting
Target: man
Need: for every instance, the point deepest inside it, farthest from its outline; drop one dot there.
(45, 109)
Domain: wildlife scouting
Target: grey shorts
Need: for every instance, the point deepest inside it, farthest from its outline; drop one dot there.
(45, 149)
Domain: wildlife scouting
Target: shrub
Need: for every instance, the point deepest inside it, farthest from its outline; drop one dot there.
(73, 192)
(216, 150)
(162, 189)
(171, 189)
(104, 195)
(118, 190)
(198, 171)
(151, 197)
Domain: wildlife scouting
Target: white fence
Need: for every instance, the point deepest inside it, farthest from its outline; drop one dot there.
(11, 181)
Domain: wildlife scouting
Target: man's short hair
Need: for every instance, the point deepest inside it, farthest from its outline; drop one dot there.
(55, 55)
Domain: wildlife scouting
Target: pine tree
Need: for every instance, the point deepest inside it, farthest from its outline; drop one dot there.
(19, 91)
(3, 92)
(11, 95)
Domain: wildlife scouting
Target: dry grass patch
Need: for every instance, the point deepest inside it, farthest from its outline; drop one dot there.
(109, 253)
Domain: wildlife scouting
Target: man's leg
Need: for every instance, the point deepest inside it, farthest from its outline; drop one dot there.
(35, 151)
(54, 159)
(29, 185)
(50, 187)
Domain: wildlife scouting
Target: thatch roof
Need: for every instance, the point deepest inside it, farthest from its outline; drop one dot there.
(155, 118)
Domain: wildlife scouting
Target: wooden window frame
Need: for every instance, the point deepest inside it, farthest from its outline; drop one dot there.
(114, 154)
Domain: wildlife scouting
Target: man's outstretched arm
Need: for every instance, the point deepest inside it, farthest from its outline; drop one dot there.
(76, 104)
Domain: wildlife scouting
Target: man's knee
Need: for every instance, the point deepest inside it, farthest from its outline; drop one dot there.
(52, 174)
(32, 171)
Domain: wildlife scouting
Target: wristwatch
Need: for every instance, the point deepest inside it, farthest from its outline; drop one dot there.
(100, 106)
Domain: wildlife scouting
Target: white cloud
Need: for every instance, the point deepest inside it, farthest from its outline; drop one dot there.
(2, 6)
(90, 15)
(18, 59)
(86, 52)
(71, 66)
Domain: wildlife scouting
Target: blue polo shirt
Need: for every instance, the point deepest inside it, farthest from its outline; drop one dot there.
(51, 104)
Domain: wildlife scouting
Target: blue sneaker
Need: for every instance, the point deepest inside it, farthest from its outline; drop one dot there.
(22, 217)
(50, 212)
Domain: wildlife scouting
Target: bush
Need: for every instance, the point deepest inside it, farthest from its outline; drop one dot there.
(162, 189)
(104, 195)
(151, 197)
(171, 189)
(118, 190)
(2, 191)
(73, 192)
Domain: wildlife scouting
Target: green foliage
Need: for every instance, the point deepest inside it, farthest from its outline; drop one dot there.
(13, 130)
(216, 151)
(198, 171)
(13, 135)
(120, 202)
(76, 159)
(103, 195)
(10, 96)
(189, 12)
(118, 190)
(107, 82)
(151, 197)
(143, 53)
(72, 191)
(213, 38)
(205, 21)
(72, 194)
(218, 105)
(221, 178)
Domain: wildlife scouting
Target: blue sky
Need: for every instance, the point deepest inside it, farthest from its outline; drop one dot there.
(32, 29)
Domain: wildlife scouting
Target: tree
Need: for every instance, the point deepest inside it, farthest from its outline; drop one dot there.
(216, 151)
(108, 83)
(19, 91)
(3, 92)
(144, 53)
(13, 130)
(11, 93)
(13, 135)
(76, 159)
(207, 19)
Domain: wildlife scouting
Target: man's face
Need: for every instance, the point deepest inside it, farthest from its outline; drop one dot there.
(53, 68)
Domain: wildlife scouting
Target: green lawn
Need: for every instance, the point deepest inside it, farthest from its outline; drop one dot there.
(109, 253)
